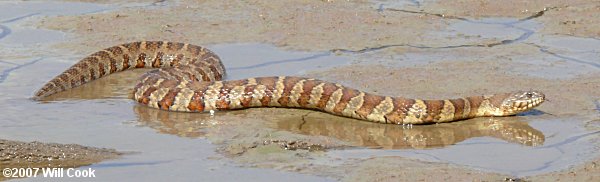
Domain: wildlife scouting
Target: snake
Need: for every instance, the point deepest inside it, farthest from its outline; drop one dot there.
(190, 78)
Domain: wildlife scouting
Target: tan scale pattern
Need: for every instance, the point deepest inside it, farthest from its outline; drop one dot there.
(182, 98)
(237, 95)
(354, 104)
(466, 108)
(258, 93)
(296, 92)
(416, 113)
(380, 111)
(189, 80)
(315, 96)
(146, 88)
(279, 86)
(447, 113)
(336, 96)
(211, 95)
(156, 97)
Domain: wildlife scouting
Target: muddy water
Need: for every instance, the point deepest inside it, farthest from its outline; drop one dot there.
(100, 114)
(530, 144)
(373, 135)
(506, 145)
(105, 118)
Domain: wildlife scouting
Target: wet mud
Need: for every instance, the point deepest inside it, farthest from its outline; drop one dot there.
(14, 154)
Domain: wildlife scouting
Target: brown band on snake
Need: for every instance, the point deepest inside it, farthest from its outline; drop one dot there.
(345, 97)
(326, 89)
(369, 102)
(286, 96)
(304, 97)
(474, 102)
(434, 109)
(189, 80)
(458, 111)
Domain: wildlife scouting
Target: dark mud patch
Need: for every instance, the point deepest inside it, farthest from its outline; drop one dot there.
(15, 154)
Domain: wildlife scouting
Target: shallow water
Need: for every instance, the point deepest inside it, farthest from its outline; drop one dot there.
(564, 145)
(101, 115)
(108, 122)
(373, 135)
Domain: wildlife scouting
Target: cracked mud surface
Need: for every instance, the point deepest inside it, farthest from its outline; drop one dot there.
(426, 50)
(575, 18)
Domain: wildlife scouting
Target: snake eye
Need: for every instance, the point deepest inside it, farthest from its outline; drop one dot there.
(529, 95)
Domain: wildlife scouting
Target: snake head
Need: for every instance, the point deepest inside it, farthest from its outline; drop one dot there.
(520, 101)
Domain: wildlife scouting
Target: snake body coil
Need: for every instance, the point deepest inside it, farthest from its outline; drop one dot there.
(189, 80)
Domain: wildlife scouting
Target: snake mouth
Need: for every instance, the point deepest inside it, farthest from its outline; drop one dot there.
(522, 101)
